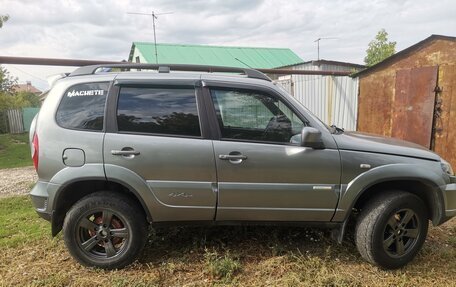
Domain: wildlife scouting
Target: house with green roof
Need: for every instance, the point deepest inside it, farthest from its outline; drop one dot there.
(254, 57)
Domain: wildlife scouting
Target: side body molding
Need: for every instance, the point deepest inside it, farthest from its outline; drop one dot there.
(156, 210)
(386, 173)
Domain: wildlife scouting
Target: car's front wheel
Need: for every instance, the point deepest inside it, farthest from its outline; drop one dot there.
(105, 230)
(391, 229)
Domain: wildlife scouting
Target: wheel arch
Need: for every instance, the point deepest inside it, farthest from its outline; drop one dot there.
(418, 180)
(71, 192)
(425, 190)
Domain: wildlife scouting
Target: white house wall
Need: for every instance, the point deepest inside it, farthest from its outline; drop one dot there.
(137, 53)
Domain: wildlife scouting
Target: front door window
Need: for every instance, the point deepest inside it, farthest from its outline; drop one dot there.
(253, 116)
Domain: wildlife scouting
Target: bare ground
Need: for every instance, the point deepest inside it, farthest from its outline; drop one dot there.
(15, 181)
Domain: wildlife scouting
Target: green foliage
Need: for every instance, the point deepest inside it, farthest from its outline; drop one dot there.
(3, 19)
(19, 100)
(29, 99)
(379, 49)
(7, 82)
(222, 267)
(9, 99)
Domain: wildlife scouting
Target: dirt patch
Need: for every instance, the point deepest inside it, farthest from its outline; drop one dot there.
(15, 181)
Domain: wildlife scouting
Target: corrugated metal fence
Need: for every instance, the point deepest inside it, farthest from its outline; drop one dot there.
(333, 99)
(17, 121)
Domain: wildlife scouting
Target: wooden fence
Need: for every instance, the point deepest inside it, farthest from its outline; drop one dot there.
(16, 121)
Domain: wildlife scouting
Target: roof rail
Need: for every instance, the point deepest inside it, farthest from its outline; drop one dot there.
(165, 68)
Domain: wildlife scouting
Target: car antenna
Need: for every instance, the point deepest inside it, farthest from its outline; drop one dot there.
(243, 63)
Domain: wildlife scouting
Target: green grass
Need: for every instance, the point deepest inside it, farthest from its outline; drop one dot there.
(19, 223)
(215, 256)
(14, 150)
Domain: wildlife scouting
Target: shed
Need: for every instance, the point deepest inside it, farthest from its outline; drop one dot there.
(255, 57)
(412, 95)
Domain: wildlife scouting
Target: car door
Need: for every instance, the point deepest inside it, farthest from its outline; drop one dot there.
(157, 135)
(263, 175)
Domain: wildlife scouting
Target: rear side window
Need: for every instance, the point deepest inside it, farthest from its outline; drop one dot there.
(82, 106)
(171, 111)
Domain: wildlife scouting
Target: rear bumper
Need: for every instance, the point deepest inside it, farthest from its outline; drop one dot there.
(40, 200)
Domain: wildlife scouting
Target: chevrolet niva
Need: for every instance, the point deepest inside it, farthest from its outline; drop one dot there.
(117, 151)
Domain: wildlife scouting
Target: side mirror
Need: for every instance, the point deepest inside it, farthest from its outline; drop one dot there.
(311, 137)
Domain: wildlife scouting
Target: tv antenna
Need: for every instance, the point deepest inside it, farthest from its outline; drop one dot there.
(318, 44)
(154, 17)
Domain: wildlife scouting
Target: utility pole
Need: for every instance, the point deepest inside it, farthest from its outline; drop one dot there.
(318, 44)
(154, 17)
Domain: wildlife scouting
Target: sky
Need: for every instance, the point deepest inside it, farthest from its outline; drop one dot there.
(102, 30)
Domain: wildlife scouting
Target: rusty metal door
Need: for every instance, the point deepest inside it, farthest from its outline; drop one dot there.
(445, 116)
(413, 108)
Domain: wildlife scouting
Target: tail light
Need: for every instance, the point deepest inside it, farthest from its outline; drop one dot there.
(35, 153)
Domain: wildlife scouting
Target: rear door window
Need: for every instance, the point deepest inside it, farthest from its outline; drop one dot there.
(167, 111)
(82, 106)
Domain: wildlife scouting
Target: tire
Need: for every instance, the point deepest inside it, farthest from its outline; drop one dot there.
(391, 229)
(105, 230)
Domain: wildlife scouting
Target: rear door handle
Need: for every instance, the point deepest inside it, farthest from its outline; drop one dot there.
(232, 157)
(125, 152)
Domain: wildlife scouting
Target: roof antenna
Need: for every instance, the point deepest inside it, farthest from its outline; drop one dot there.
(242, 63)
(154, 17)
(318, 44)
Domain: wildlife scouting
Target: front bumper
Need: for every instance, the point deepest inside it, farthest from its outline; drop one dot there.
(450, 198)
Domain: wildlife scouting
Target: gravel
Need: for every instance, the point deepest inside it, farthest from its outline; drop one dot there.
(15, 181)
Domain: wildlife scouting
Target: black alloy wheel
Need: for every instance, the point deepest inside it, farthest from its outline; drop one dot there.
(401, 233)
(391, 228)
(105, 230)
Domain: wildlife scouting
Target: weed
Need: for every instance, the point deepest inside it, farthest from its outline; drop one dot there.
(221, 267)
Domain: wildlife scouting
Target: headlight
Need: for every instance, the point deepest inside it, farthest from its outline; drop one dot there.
(446, 167)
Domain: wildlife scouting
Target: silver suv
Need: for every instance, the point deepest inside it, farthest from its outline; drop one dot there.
(116, 151)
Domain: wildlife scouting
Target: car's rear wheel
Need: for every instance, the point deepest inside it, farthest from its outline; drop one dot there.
(105, 230)
(391, 229)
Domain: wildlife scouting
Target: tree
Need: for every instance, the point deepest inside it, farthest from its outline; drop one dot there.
(29, 99)
(19, 100)
(3, 19)
(379, 49)
(7, 82)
